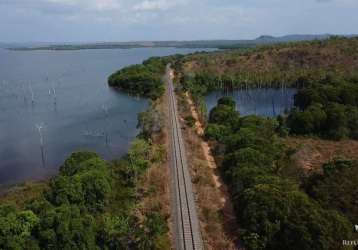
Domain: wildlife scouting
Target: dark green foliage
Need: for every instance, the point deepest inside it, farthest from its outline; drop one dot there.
(337, 121)
(272, 211)
(224, 113)
(326, 92)
(89, 205)
(333, 121)
(216, 132)
(72, 164)
(306, 97)
(144, 80)
(327, 108)
(336, 188)
(89, 185)
(283, 218)
(353, 122)
(66, 227)
(228, 101)
(300, 122)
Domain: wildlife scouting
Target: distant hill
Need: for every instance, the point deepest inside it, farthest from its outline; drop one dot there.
(220, 44)
(292, 38)
(287, 61)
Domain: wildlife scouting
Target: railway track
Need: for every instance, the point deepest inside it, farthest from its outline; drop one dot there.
(188, 236)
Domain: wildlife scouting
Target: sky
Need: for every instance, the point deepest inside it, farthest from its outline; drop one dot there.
(138, 20)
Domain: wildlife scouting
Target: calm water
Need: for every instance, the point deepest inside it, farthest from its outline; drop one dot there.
(265, 102)
(72, 108)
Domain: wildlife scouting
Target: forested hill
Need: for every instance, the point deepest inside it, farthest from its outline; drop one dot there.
(289, 63)
(325, 73)
(277, 204)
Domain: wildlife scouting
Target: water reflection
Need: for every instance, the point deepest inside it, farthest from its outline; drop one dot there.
(55, 102)
(265, 102)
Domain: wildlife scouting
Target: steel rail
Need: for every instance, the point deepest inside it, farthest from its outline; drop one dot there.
(188, 231)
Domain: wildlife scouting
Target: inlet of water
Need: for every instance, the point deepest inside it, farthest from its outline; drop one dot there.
(268, 102)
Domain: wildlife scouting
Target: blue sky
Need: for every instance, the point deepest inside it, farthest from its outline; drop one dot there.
(130, 20)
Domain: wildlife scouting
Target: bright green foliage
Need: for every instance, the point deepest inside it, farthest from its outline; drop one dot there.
(16, 228)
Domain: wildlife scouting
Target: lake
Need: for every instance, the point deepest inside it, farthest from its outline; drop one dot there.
(55, 102)
(265, 102)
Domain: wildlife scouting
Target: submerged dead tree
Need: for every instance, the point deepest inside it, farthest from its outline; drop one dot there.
(42, 145)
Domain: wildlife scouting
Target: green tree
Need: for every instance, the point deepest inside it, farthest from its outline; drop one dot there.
(67, 227)
(71, 165)
(216, 131)
(337, 121)
(335, 188)
(228, 101)
(301, 122)
(117, 232)
(16, 228)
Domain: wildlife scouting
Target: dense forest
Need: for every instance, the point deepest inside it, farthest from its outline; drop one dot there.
(90, 204)
(328, 108)
(325, 73)
(275, 209)
(143, 79)
(277, 205)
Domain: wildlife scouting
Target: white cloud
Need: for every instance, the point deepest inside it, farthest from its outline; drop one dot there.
(104, 5)
(156, 5)
(98, 5)
(172, 19)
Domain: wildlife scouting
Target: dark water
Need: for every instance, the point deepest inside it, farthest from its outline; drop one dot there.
(264, 102)
(72, 108)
